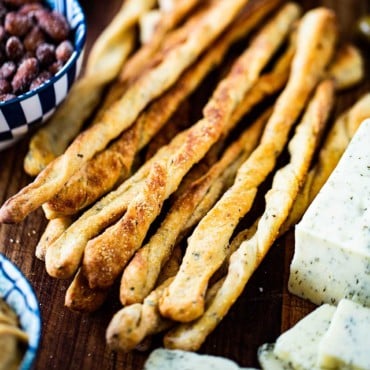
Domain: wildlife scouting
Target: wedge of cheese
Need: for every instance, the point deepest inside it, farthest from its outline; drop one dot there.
(166, 359)
(332, 241)
(268, 360)
(346, 344)
(299, 345)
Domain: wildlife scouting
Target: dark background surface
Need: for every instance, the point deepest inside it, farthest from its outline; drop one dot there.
(74, 341)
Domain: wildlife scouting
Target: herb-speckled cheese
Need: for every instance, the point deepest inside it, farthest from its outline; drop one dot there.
(166, 359)
(346, 344)
(269, 361)
(299, 345)
(332, 241)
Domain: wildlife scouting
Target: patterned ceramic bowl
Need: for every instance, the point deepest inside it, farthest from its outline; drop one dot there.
(28, 111)
(17, 292)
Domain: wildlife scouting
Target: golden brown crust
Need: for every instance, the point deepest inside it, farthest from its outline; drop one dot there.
(80, 297)
(122, 113)
(279, 199)
(106, 255)
(141, 274)
(105, 60)
(78, 192)
(52, 232)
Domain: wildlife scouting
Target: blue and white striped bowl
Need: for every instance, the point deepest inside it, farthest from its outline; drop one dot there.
(17, 292)
(26, 112)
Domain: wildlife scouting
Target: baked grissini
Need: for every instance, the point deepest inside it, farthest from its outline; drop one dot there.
(316, 41)
(140, 275)
(79, 192)
(199, 139)
(109, 52)
(123, 112)
(279, 199)
(266, 85)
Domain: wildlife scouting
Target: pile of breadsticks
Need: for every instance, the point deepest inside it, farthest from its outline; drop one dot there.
(137, 190)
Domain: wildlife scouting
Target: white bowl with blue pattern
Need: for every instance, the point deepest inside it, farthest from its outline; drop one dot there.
(28, 111)
(18, 293)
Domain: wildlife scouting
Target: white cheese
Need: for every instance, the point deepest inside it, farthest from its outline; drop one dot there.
(299, 345)
(268, 360)
(346, 344)
(332, 241)
(165, 359)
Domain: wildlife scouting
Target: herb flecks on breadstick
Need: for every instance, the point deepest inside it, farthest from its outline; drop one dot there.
(114, 164)
(123, 112)
(140, 275)
(279, 199)
(199, 139)
(108, 54)
(184, 299)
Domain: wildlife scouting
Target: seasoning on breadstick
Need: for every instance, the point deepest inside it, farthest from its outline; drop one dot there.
(52, 232)
(184, 298)
(123, 112)
(200, 138)
(114, 164)
(140, 275)
(109, 52)
(279, 199)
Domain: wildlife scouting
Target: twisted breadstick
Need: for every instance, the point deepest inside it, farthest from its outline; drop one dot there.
(184, 298)
(123, 112)
(106, 168)
(279, 200)
(52, 232)
(108, 53)
(140, 275)
(200, 137)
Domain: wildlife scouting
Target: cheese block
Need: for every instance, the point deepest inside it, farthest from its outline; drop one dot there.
(299, 345)
(166, 359)
(346, 344)
(268, 360)
(332, 241)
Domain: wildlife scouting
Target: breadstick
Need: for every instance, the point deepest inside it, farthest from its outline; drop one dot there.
(81, 298)
(108, 53)
(333, 147)
(66, 252)
(64, 255)
(184, 299)
(53, 230)
(134, 323)
(347, 68)
(198, 141)
(79, 192)
(140, 275)
(123, 112)
(141, 212)
(168, 20)
(279, 200)
(105, 170)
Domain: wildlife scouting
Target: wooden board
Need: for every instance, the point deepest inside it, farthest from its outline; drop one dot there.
(74, 341)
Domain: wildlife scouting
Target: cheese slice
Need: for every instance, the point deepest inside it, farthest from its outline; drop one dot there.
(299, 345)
(268, 360)
(166, 359)
(332, 241)
(346, 344)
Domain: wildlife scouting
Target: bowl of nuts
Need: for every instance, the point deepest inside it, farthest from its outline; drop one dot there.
(41, 54)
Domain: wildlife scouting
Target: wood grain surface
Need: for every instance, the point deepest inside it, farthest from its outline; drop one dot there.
(75, 341)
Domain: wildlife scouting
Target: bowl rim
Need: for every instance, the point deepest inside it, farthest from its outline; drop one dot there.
(31, 352)
(78, 50)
